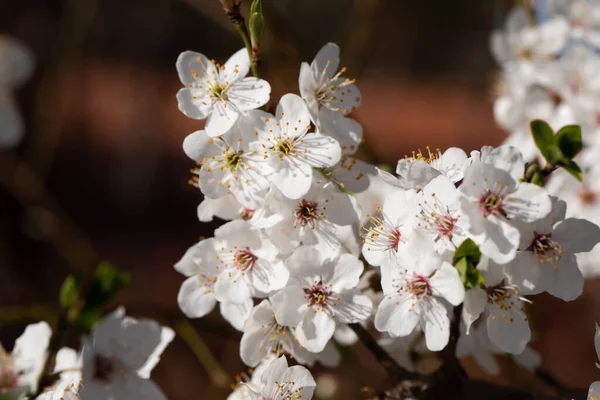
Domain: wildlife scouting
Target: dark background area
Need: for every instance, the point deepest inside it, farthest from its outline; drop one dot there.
(101, 174)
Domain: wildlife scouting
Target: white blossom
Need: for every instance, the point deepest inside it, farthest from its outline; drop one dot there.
(420, 294)
(278, 382)
(319, 293)
(21, 368)
(218, 93)
(322, 85)
(118, 357)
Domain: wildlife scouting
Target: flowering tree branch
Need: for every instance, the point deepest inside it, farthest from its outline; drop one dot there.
(232, 9)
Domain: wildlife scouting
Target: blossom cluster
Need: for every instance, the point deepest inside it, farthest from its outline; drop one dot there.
(114, 362)
(549, 63)
(307, 220)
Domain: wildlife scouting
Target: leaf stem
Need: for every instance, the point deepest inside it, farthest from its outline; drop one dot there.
(232, 9)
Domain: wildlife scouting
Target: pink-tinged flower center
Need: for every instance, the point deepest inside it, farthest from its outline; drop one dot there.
(394, 238)
(446, 225)
(491, 203)
(307, 213)
(318, 294)
(9, 378)
(419, 286)
(546, 249)
(104, 368)
(247, 214)
(244, 259)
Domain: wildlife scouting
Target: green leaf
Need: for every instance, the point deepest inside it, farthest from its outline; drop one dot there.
(87, 318)
(537, 179)
(69, 291)
(469, 250)
(469, 274)
(108, 281)
(543, 136)
(572, 168)
(568, 139)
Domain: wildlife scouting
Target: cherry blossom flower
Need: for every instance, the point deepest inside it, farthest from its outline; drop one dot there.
(196, 297)
(21, 368)
(227, 165)
(320, 293)
(387, 230)
(220, 93)
(118, 357)
(547, 259)
(322, 85)
(417, 170)
(264, 337)
(419, 295)
(247, 263)
(346, 131)
(315, 218)
(491, 198)
(502, 307)
(438, 213)
(291, 151)
(278, 382)
(16, 67)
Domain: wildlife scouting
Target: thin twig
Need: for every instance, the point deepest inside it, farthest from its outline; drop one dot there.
(394, 370)
(559, 388)
(232, 9)
(188, 333)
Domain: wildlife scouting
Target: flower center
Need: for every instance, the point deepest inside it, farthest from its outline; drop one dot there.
(382, 234)
(104, 368)
(317, 295)
(419, 286)
(588, 197)
(244, 259)
(9, 378)
(332, 89)
(218, 92)
(247, 214)
(233, 159)
(394, 239)
(307, 213)
(546, 249)
(285, 147)
(490, 203)
(446, 225)
(429, 157)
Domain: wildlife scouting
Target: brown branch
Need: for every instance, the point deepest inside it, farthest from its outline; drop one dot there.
(394, 370)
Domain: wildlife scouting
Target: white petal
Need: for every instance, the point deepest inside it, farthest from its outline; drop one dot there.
(222, 117)
(308, 85)
(17, 62)
(396, 316)
(192, 105)
(301, 378)
(189, 62)
(353, 307)
(509, 330)
(195, 299)
(566, 279)
(269, 276)
(594, 391)
(196, 145)
(315, 330)
(319, 151)
(236, 314)
(236, 68)
(577, 235)
(502, 240)
(249, 94)
(293, 179)
(345, 272)
(166, 336)
(528, 203)
(233, 286)
(474, 305)
(437, 325)
(29, 352)
(447, 284)
(292, 112)
(326, 62)
(289, 305)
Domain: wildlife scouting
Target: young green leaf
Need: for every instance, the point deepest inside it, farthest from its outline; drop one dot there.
(543, 136)
(69, 291)
(568, 139)
(469, 250)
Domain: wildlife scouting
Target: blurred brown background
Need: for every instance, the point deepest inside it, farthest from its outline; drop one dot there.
(103, 148)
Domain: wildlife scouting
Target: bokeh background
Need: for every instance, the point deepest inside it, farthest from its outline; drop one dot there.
(101, 174)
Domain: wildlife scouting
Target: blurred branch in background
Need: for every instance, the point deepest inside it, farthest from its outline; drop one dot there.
(52, 222)
(50, 111)
(188, 333)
